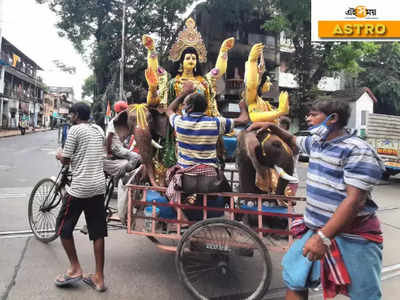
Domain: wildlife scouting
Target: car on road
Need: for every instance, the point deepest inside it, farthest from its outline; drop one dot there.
(303, 156)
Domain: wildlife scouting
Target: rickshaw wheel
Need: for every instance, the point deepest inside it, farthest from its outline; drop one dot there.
(223, 259)
(44, 205)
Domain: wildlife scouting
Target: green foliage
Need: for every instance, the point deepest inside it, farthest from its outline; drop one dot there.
(291, 16)
(89, 86)
(277, 24)
(347, 56)
(94, 28)
(382, 75)
(238, 12)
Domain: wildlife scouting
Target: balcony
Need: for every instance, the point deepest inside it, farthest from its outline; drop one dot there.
(233, 86)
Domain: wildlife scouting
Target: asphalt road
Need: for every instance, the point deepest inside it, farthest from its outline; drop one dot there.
(24, 159)
(135, 268)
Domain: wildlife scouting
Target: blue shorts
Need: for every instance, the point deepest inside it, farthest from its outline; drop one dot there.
(362, 258)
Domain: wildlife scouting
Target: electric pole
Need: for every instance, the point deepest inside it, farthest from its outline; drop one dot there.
(121, 67)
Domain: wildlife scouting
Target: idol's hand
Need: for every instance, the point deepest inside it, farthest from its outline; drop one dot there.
(151, 78)
(266, 86)
(148, 42)
(284, 103)
(228, 44)
(255, 52)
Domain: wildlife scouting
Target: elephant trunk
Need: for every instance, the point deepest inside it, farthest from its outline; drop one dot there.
(144, 143)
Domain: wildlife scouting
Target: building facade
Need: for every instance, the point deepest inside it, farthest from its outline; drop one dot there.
(21, 89)
(57, 102)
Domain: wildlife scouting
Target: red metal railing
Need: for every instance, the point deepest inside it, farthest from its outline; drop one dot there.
(230, 212)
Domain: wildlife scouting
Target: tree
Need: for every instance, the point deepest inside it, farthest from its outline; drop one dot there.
(89, 86)
(94, 28)
(311, 61)
(381, 73)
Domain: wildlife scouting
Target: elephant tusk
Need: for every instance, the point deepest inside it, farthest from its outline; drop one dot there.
(155, 144)
(285, 175)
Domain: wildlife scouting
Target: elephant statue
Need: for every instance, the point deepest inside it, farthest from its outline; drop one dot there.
(260, 157)
(150, 127)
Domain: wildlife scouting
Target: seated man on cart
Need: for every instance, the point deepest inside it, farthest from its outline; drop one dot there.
(120, 160)
(196, 136)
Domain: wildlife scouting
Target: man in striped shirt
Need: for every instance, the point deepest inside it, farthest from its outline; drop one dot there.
(84, 151)
(196, 136)
(340, 215)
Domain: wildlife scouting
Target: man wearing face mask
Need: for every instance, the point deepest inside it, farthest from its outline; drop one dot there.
(340, 241)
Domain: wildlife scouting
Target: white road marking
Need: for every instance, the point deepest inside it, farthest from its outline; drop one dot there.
(7, 196)
(15, 193)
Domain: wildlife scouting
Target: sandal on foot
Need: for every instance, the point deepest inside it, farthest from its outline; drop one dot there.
(89, 281)
(67, 280)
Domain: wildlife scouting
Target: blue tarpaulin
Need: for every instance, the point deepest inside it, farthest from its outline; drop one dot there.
(3, 63)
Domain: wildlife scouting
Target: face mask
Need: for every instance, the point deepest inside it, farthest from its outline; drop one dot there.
(321, 130)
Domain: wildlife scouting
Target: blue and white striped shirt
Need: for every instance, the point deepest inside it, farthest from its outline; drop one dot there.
(197, 136)
(345, 160)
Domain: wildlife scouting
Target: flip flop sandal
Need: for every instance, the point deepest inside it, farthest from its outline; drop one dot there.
(89, 281)
(68, 280)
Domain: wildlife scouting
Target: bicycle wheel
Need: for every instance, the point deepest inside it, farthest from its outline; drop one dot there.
(223, 259)
(44, 205)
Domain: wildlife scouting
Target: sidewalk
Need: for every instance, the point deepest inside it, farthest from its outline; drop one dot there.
(14, 132)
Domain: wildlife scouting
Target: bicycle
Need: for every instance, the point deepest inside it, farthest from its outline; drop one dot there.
(45, 203)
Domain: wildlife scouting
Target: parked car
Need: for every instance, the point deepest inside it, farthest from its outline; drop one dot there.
(303, 156)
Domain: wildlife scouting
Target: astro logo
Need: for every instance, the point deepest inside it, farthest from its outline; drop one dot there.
(360, 12)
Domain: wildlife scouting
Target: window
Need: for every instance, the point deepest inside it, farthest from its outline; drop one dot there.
(270, 41)
(364, 117)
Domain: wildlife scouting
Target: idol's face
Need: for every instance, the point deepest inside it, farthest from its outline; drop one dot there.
(189, 61)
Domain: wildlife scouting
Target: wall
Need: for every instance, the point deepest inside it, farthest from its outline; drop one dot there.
(363, 103)
(352, 119)
(287, 80)
(328, 84)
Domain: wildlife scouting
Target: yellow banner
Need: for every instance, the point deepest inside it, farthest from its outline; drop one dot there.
(353, 29)
(16, 59)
